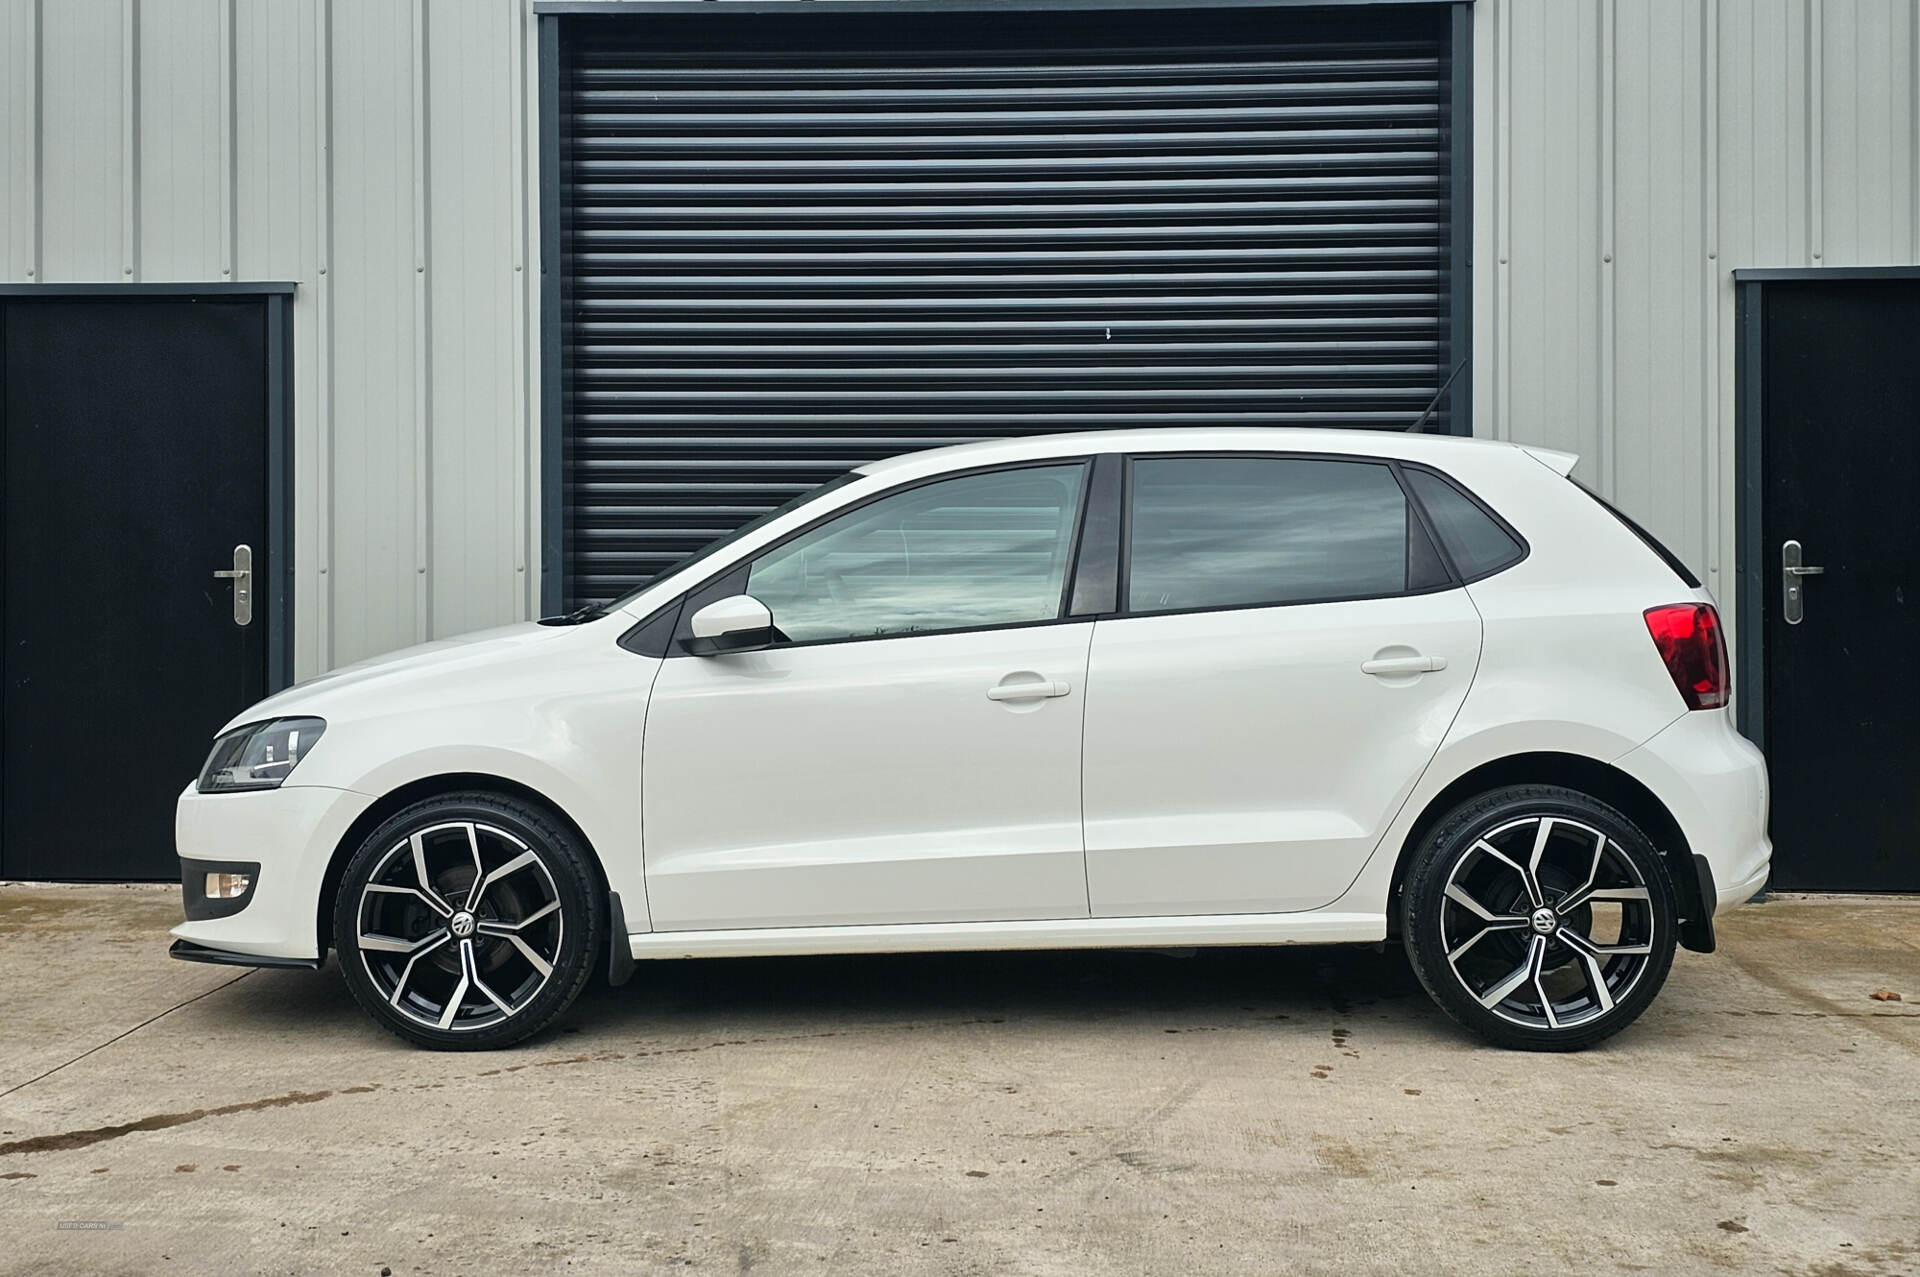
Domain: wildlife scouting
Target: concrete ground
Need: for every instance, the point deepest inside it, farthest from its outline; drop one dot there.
(1242, 1111)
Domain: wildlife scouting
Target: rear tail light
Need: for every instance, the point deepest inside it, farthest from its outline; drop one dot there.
(1688, 636)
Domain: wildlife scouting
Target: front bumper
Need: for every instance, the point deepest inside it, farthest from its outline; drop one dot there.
(291, 834)
(188, 951)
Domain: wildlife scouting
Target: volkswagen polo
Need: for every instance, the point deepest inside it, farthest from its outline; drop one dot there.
(1143, 688)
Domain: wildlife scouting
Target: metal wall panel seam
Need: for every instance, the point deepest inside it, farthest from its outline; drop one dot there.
(130, 139)
(1913, 132)
(524, 301)
(1604, 477)
(229, 148)
(1711, 313)
(1503, 225)
(1816, 124)
(422, 346)
(39, 214)
(324, 384)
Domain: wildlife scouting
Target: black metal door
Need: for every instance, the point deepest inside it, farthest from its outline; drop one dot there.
(1842, 477)
(791, 244)
(136, 460)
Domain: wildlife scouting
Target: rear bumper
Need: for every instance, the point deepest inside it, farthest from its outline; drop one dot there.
(1714, 782)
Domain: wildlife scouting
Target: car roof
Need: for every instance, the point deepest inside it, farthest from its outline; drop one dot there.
(1434, 449)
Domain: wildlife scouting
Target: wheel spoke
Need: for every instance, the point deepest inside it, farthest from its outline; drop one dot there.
(1526, 876)
(1528, 969)
(479, 868)
(515, 865)
(1459, 896)
(1590, 955)
(1500, 924)
(538, 963)
(400, 985)
(452, 1008)
(425, 899)
(427, 892)
(1540, 838)
(470, 972)
(504, 929)
(394, 944)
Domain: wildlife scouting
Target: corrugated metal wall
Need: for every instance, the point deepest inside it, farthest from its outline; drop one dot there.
(377, 153)
(1630, 155)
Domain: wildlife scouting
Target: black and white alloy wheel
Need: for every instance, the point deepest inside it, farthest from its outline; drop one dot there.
(1539, 917)
(468, 922)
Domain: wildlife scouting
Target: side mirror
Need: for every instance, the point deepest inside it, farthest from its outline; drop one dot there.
(741, 623)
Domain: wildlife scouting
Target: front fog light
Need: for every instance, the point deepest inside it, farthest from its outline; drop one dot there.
(228, 886)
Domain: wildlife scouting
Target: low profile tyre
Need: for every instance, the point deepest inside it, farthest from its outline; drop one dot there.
(468, 922)
(1539, 917)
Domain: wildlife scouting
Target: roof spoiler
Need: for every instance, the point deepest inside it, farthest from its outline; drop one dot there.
(1561, 463)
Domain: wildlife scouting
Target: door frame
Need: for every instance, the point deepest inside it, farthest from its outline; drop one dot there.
(276, 590)
(1750, 558)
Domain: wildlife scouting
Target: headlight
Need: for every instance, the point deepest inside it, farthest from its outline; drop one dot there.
(259, 755)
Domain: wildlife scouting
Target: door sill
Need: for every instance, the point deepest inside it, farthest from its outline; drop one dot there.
(1066, 933)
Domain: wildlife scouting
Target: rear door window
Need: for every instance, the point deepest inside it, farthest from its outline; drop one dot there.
(1237, 531)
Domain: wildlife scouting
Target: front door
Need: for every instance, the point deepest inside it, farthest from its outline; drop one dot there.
(1290, 660)
(1841, 457)
(909, 749)
(135, 464)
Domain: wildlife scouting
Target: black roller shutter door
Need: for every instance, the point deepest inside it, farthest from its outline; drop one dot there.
(790, 245)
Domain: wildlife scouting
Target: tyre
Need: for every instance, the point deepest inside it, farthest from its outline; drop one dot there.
(1539, 917)
(468, 922)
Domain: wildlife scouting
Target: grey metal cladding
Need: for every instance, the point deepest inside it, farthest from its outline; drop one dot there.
(796, 244)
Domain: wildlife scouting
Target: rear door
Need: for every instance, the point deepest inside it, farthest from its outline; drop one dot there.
(1290, 652)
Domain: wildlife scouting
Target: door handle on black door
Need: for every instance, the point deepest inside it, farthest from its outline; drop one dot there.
(1793, 599)
(241, 574)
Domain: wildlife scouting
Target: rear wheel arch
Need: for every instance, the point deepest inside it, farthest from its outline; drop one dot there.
(1573, 771)
(414, 791)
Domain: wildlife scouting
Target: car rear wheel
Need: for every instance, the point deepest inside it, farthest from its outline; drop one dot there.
(468, 922)
(1539, 917)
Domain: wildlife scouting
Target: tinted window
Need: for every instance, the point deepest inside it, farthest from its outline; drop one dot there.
(988, 549)
(1222, 531)
(1478, 545)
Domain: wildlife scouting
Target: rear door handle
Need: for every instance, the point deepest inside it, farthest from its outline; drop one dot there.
(1026, 691)
(1404, 665)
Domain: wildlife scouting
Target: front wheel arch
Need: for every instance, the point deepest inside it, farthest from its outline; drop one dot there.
(1588, 776)
(405, 796)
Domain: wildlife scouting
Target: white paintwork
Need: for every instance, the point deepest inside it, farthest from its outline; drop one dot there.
(869, 782)
(733, 615)
(1223, 753)
(1223, 777)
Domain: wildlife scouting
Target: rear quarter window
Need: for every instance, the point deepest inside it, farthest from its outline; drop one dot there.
(1476, 542)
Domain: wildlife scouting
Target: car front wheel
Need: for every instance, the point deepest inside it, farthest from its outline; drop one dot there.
(1539, 917)
(468, 922)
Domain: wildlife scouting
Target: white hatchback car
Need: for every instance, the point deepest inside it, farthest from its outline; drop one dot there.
(1144, 688)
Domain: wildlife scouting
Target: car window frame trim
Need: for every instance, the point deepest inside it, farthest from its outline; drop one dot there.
(1474, 498)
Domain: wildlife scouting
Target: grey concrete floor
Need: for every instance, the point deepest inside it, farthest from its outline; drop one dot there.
(1243, 1111)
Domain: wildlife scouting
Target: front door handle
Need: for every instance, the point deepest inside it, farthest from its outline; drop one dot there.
(1404, 665)
(241, 574)
(1793, 598)
(1026, 691)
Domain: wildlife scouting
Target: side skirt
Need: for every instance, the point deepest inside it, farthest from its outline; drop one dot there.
(1066, 933)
